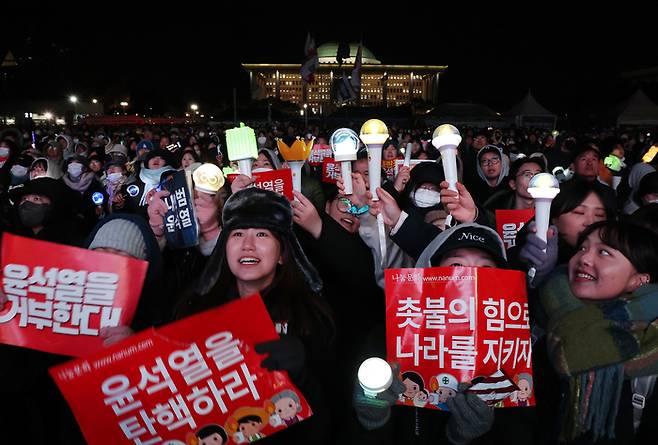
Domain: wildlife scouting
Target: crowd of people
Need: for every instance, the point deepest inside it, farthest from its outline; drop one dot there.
(318, 264)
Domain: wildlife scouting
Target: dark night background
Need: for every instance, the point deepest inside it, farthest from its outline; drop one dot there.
(166, 57)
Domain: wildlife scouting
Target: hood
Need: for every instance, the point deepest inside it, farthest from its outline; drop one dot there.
(504, 161)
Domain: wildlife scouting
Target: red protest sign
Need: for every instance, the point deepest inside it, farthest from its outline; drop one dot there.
(330, 170)
(318, 153)
(509, 222)
(59, 298)
(279, 181)
(447, 325)
(184, 382)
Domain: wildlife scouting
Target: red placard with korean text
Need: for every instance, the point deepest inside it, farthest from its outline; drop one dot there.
(509, 222)
(279, 181)
(60, 296)
(330, 170)
(184, 382)
(448, 325)
(318, 153)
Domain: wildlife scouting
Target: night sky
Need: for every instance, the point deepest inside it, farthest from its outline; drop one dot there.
(169, 57)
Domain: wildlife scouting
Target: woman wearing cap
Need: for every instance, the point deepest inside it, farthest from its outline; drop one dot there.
(257, 251)
(602, 336)
(468, 245)
(41, 211)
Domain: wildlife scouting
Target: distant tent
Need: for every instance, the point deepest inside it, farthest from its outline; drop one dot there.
(467, 114)
(638, 110)
(530, 113)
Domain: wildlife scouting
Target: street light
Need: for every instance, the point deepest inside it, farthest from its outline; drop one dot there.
(194, 107)
(73, 99)
(123, 104)
(95, 101)
(48, 115)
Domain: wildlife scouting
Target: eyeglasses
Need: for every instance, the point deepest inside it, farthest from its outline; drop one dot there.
(488, 162)
(345, 205)
(527, 174)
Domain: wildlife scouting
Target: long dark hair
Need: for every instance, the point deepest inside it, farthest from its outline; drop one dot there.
(288, 297)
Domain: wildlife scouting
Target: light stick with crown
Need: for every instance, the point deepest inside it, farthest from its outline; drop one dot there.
(543, 188)
(242, 147)
(446, 138)
(345, 143)
(296, 155)
(374, 133)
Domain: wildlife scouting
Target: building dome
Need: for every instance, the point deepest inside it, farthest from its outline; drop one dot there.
(327, 54)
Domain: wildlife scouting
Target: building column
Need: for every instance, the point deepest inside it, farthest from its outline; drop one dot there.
(277, 88)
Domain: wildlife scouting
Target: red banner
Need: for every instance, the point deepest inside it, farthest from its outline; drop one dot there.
(60, 296)
(330, 170)
(198, 378)
(448, 325)
(318, 153)
(509, 222)
(279, 181)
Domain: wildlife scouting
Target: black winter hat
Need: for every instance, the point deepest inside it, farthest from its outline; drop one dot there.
(164, 154)
(44, 186)
(263, 209)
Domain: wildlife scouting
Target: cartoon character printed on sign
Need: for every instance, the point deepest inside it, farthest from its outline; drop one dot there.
(524, 382)
(444, 386)
(421, 398)
(413, 383)
(286, 407)
(247, 423)
(211, 434)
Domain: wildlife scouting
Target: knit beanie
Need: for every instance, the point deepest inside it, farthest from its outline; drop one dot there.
(121, 234)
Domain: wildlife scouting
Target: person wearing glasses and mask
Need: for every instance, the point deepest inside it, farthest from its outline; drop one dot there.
(492, 168)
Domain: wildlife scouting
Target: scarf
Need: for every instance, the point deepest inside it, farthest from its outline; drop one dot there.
(151, 179)
(82, 184)
(624, 332)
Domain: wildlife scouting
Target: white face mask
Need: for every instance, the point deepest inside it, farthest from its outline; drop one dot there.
(4, 152)
(202, 134)
(424, 198)
(262, 140)
(18, 171)
(75, 170)
(114, 177)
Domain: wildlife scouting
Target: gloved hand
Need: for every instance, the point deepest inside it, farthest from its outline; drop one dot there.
(470, 417)
(374, 412)
(533, 253)
(285, 354)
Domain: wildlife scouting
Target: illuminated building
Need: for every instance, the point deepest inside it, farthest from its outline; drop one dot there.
(381, 85)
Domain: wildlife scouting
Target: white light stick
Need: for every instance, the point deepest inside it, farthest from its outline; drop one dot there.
(345, 143)
(375, 376)
(374, 133)
(446, 139)
(296, 156)
(543, 188)
(407, 155)
(296, 170)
